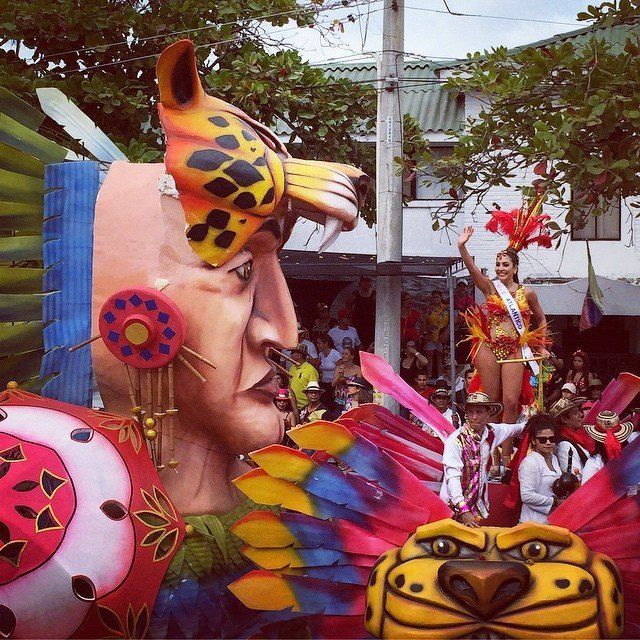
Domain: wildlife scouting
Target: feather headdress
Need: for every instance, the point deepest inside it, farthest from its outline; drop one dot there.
(523, 227)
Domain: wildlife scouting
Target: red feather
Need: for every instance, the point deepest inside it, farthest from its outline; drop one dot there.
(521, 226)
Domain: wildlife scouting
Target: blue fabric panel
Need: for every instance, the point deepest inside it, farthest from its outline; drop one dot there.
(69, 203)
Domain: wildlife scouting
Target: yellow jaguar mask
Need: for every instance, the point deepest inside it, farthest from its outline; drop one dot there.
(530, 581)
(233, 174)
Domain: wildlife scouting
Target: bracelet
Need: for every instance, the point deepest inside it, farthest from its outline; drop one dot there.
(463, 507)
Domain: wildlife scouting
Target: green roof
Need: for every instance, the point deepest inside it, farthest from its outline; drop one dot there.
(616, 36)
(434, 108)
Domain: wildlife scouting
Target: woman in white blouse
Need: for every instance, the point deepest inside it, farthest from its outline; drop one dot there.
(538, 470)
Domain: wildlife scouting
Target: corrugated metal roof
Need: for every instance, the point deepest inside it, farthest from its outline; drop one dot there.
(615, 36)
(434, 108)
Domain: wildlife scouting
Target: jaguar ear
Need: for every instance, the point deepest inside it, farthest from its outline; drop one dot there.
(177, 74)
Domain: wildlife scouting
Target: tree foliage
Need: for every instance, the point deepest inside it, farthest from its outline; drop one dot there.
(568, 112)
(102, 55)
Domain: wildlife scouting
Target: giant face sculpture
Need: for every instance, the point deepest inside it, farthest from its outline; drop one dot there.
(212, 248)
(450, 581)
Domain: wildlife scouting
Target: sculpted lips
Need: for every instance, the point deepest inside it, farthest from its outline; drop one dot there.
(267, 384)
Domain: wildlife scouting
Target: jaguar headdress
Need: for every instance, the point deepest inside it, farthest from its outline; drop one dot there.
(232, 173)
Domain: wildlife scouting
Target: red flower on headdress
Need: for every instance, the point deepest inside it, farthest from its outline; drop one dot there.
(523, 227)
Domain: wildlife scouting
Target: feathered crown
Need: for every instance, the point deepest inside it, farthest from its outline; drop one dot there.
(523, 227)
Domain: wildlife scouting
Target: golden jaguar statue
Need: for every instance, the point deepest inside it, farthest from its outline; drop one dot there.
(530, 581)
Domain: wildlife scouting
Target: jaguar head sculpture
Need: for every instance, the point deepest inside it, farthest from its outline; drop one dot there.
(233, 174)
(529, 581)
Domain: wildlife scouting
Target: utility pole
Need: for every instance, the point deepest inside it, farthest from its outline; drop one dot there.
(389, 188)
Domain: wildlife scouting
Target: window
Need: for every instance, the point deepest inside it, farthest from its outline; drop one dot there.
(418, 190)
(604, 226)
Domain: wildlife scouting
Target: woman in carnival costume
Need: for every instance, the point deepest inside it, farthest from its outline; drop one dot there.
(501, 329)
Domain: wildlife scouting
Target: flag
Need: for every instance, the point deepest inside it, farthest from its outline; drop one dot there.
(592, 307)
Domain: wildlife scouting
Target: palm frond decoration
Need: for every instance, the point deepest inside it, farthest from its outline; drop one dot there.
(24, 153)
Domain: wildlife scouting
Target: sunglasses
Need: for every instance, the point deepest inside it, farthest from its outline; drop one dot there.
(546, 439)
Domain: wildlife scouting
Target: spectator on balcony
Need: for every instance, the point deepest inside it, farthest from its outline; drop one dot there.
(422, 385)
(301, 374)
(412, 362)
(329, 359)
(595, 390)
(344, 335)
(364, 309)
(580, 373)
(346, 369)
(323, 321)
(408, 318)
(437, 330)
(568, 390)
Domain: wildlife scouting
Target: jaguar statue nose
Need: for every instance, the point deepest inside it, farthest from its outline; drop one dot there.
(484, 587)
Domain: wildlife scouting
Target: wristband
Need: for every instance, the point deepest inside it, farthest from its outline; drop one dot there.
(463, 507)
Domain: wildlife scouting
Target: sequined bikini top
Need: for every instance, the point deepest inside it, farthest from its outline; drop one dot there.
(496, 308)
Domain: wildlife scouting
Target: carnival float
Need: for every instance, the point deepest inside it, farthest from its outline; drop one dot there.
(146, 520)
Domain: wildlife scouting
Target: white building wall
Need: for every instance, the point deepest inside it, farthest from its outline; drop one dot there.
(611, 259)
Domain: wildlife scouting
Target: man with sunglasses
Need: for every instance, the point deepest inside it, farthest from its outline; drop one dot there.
(539, 470)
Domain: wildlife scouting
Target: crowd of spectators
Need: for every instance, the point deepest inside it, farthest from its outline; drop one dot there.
(321, 379)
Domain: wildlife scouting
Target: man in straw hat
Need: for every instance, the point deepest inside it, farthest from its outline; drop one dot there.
(569, 414)
(467, 459)
(314, 410)
(610, 436)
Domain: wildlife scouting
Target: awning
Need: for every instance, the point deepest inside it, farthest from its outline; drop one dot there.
(301, 264)
(620, 298)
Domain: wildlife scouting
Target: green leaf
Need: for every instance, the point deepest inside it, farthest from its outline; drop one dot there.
(20, 307)
(19, 110)
(20, 188)
(20, 280)
(20, 367)
(17, 161)
(21, 248)
(21, 137)
(16, 338)
(176, 564)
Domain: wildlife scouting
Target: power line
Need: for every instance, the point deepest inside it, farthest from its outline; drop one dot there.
(123, 61)
(342, 4)
(480, 15)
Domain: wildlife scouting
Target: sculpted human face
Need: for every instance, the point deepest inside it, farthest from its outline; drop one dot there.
(505, 269)
(234, 313)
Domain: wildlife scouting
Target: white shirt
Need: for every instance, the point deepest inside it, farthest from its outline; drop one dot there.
(451, 491)
(338, 335)
(448, 415)
(562, 452)
(592, 466)
(535, 486)
(328, 364)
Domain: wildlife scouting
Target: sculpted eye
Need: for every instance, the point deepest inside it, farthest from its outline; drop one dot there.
(444, 548)
(244, 270)
(534, 550)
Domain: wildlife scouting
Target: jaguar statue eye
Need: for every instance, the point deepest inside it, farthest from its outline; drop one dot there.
(534, 550)
(444, 548)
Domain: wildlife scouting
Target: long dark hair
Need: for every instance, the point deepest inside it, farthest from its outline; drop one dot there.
(513, 254)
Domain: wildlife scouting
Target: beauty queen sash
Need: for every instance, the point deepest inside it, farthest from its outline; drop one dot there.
(514, 313)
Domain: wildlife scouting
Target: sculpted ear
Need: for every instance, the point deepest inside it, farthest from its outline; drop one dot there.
(177, 74)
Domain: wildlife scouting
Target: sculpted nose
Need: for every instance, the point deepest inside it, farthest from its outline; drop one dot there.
(484, 587)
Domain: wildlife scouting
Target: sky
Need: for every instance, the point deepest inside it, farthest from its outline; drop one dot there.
(431, 33)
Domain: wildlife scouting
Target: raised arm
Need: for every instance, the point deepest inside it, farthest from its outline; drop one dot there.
(479, 279)
(538, 315)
